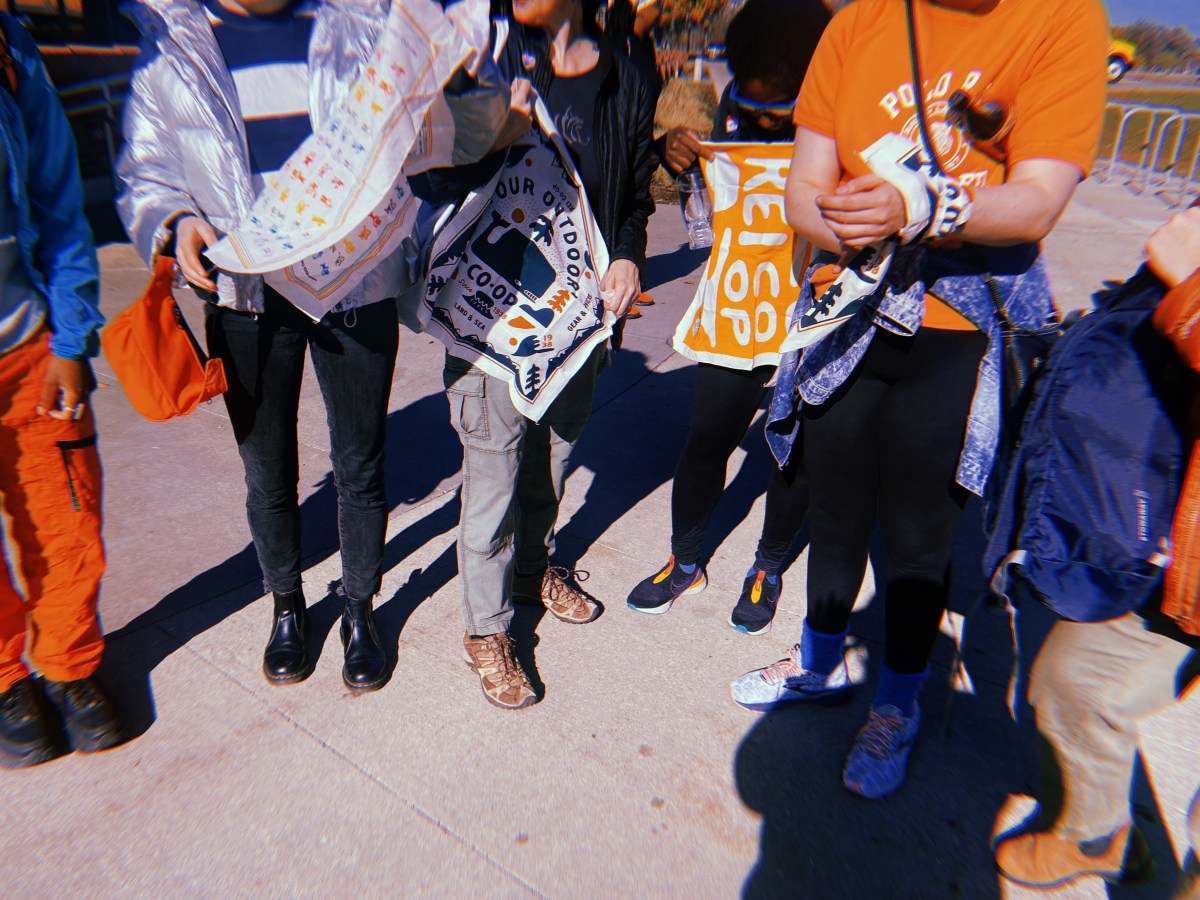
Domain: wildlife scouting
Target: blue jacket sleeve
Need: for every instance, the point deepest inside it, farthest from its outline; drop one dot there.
(65, 253)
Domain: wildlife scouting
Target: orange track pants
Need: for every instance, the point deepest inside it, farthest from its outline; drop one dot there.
(50, 490)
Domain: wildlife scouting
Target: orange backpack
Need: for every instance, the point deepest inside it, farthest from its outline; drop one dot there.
(1178, 317)
(155, 356)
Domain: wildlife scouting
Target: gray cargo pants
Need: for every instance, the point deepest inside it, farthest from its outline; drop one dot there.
(512, 482)
(1091, 685)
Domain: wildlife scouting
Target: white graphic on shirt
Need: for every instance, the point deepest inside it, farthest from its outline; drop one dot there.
(571, 127)
(952, 145)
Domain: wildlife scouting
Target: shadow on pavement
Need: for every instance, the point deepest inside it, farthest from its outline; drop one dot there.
(931, 838)
(667, 267)
(422, 452)
(626, 472)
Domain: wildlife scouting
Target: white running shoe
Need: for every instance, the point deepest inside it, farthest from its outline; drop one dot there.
(787, 681)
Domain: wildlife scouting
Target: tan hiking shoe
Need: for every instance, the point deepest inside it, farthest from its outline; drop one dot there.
(1047, 859)
(504, 682)
(555, 591)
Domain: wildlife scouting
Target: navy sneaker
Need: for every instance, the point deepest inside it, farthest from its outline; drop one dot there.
(756, 607)
(878, 761)
(657, 593)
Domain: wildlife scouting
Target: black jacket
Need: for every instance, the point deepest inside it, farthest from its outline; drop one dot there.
(624, 141)
(624, 138)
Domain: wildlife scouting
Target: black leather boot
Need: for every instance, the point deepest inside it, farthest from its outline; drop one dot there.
(366, 663)
(29, 731)
(88, 717)
(285, 661)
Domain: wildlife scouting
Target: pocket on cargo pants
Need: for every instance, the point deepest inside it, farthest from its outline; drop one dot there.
(467, 393)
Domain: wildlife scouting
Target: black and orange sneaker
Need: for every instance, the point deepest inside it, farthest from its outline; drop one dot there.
(656, 593)
(756, 607)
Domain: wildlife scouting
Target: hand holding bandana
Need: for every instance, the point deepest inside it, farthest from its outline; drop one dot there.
(936, 206)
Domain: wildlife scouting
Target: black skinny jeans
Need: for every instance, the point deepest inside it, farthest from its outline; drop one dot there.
(354, 355)
(724, 404)
(885, 448)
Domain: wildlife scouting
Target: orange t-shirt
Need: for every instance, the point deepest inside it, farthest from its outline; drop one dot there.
(1043, 61)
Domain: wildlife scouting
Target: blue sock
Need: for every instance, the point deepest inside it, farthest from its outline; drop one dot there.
(819, 652)
(772, 577)
(687, 570)
(900, 691)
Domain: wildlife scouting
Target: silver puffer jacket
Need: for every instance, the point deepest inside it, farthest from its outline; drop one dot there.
(185, 143)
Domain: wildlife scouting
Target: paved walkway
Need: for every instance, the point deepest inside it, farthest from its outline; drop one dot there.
(636, 776)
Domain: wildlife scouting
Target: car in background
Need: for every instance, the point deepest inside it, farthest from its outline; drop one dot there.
(1122, 56)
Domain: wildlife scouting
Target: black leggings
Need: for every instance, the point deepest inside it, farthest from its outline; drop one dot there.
(885, 448)
(724, 404)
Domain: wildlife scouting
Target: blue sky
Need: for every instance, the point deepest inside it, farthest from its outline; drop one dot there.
(1169, 12)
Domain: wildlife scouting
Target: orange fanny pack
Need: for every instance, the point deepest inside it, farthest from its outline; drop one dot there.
(1178, 316)
(155, 355)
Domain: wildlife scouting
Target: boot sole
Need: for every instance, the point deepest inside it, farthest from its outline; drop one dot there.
(659, 610)
(97, 741)
(744, 630)
(284, 680)
(367, 687)
(832, 698)
(33, 756)
(592, 618)
(537, 601)
(1108, 876)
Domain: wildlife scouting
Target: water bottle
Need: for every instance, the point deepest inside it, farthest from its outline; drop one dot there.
(696, 207)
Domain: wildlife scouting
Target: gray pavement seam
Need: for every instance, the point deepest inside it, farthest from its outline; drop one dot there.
(363, 771)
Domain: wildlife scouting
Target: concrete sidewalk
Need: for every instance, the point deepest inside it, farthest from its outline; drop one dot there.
(636, 775)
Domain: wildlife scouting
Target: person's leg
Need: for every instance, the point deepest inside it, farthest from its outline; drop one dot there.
(840, 455)
(786, 507)
(29, 729)
(1090, 686)
(544, 460)
(52, 496)
(786, 510)
(13, 625)
(354, 356)
(54, 505)
(264, 365)
(15, 370)
(724, 403)
(541, 478)
(921, 429)
(491, 431)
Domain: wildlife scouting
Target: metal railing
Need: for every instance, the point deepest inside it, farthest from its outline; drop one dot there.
(1155, 149)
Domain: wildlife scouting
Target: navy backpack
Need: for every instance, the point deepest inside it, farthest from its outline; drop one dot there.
(1078, 513)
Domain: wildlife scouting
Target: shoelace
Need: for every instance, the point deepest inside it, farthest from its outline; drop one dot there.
(501, 646)
(558, 587)
(785, 668)
(878, 735)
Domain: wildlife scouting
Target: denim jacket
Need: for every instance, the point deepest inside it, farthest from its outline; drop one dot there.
(47, 194)
(954, 275)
